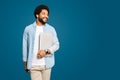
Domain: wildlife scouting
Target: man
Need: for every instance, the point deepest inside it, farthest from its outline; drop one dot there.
(40, 42)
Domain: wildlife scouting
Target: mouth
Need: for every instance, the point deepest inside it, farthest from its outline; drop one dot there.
(45, 19)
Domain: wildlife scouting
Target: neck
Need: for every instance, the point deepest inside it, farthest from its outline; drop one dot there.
(39, 23)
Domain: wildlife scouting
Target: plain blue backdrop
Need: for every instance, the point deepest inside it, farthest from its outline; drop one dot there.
(89, 34)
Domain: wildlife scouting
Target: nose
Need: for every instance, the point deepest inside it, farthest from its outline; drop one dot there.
(46, 16)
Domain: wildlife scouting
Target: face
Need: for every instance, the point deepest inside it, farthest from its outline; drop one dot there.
(43, 16)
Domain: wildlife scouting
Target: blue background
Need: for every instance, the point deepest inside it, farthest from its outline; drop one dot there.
(89, 34)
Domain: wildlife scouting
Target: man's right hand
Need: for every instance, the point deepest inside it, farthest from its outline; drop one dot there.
(25, 66)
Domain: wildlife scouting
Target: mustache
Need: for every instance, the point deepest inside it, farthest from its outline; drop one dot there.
(45, 17)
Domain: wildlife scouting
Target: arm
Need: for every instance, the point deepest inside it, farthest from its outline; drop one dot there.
(25, 49)
(55, 45)
(25, 45)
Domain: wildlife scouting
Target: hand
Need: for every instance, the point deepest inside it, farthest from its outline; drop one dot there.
(41, 53)
(25, 66)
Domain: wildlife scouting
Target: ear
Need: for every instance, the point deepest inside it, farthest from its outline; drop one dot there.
(37, 15)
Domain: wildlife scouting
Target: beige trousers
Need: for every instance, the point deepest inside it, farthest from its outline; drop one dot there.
(40, 73)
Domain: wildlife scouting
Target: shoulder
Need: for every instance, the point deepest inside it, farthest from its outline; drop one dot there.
(49, 26)
(50, 29)
(29, 27)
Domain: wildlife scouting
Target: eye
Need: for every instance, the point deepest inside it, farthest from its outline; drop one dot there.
(43, 13)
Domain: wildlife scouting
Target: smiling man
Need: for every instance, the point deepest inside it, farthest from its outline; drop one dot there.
(40, 42)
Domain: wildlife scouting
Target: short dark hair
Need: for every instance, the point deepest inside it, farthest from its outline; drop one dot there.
(39, 8)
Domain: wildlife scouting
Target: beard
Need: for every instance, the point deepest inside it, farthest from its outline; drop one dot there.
(42, 21)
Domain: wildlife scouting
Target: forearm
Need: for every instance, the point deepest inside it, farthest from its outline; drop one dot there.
(54, 48)
(24, 50)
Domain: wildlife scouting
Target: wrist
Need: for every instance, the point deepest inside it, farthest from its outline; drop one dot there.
(47, 51)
